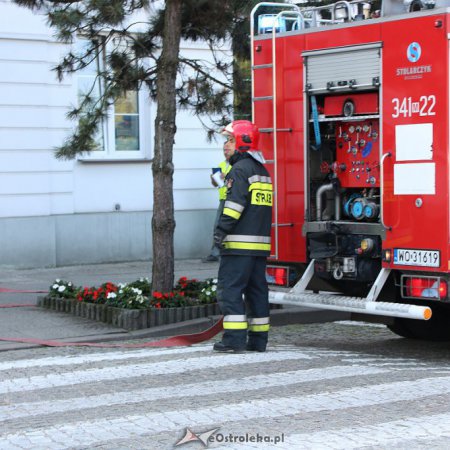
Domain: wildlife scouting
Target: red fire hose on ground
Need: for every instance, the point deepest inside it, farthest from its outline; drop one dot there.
(21, 291)
(173, 341)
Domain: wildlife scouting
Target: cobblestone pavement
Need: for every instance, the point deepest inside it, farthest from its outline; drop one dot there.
(322, 386)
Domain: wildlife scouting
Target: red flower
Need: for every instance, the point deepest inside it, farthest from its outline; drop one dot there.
(157, 294)
(111, 287)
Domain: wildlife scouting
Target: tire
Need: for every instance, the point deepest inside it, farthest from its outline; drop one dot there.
(352, 288)
(435, 329)
(399, 328)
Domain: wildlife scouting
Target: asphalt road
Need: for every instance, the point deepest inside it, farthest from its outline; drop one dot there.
(320, 386)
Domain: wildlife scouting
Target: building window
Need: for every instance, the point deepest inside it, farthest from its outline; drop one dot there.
(126, 122)
(126, 133)
(88, 84)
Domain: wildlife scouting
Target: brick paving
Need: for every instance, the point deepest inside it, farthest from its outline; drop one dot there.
(320, 386)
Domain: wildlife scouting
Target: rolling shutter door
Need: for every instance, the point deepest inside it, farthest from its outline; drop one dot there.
(337, 69)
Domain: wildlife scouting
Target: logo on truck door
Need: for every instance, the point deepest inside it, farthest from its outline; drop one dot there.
(413, 52)
(414, 72)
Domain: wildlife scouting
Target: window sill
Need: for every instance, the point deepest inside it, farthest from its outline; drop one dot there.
(115, 160)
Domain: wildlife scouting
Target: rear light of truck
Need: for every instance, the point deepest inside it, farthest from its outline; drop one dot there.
(423, 287)
(277, 275)
(387, 255)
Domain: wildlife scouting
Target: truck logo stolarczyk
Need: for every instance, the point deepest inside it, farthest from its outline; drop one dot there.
(413, 52)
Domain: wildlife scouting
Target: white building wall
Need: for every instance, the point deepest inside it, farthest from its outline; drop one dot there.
(64, 212)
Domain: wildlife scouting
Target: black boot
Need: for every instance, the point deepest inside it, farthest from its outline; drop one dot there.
(254, 348)
(222, 348)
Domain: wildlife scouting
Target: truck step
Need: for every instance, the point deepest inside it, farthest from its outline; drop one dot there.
(351, 304)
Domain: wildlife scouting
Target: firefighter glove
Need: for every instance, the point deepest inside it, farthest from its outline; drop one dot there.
(219, 236)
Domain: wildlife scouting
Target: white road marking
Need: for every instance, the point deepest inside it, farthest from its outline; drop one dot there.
(429, 427)
(97, 357)
(75, 377)
(17, 410)
(92, 432)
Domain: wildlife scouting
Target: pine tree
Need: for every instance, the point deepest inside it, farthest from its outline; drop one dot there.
(172, 80)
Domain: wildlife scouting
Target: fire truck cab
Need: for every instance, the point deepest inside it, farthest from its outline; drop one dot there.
(353, 110)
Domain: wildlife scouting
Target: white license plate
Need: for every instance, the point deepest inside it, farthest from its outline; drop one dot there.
(410, 257)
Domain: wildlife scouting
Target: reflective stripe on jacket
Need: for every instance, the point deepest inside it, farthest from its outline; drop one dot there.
(225, 167)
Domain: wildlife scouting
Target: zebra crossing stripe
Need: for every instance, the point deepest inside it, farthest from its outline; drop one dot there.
(251, 383)
(90, 432)
(98, 357)
(149, 368)
(427, 428)
(70, 360)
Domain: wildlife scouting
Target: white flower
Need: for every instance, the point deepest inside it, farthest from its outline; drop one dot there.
(122, 285)
(121, 291)
(55, 286)
(214, 281)
(111, 295)
(141, 280)
(69, 284)
(208, 292)
(57, 281)
(214, 288)
(61, 289)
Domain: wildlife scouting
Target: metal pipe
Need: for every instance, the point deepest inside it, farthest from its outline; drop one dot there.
(386, 155)
(338, 6)
(324, 188)
(337, 201)
(337, 206)
(339, 303)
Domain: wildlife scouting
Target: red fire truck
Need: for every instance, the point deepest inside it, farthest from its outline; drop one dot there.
(353, 109)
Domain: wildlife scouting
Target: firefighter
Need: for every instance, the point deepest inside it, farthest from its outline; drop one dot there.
(224, 167)
(243, 235)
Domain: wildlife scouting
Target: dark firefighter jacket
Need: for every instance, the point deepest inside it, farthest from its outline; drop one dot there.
(246, 220)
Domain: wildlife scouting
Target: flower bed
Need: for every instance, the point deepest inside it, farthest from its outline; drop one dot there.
(134, 305)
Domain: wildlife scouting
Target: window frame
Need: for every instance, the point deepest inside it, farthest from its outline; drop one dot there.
(145, 125)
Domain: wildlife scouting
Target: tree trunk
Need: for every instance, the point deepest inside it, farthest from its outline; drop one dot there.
(163, 221)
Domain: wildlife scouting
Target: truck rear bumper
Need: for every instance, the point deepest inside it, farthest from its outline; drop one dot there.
(338, 302)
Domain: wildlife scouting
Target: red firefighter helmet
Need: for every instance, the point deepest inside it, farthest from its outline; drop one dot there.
(245, 133)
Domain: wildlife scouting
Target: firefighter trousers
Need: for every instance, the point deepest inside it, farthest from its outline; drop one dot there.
(243, 297)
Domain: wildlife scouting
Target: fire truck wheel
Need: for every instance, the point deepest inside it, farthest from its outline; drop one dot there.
(352, 289)
(435, 329)
(399, 328)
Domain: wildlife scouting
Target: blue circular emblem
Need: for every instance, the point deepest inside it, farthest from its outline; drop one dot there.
(414, 51)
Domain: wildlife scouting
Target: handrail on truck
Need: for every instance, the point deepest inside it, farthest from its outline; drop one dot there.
(299, 17)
